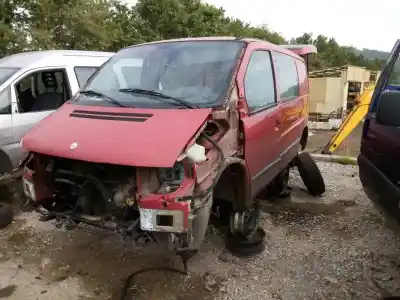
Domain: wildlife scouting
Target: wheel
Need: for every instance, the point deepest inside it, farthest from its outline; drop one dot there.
(246, 246)
(6, 215)
(244, 223)
(310, 174)
(245, 238)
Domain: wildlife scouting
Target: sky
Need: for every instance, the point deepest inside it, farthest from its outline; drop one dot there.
(360, 23)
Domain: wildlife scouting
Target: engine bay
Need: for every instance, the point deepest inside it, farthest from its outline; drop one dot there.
(102, 195)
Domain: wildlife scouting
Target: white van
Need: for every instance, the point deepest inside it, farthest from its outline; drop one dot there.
(33, 85)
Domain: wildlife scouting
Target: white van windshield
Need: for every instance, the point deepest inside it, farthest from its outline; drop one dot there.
(6, 73)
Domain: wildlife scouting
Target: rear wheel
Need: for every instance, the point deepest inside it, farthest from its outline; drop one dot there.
(310, 174)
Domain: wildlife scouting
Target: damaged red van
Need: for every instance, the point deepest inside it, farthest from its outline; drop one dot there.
(166, 131)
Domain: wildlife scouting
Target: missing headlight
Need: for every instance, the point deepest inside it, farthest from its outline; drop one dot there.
(170, 178)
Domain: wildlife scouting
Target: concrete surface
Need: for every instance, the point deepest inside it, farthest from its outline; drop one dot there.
(319, 138)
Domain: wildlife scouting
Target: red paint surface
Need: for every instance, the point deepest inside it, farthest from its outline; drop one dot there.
(270, 132)
(262, 142)
(157, 142)
(169, 201)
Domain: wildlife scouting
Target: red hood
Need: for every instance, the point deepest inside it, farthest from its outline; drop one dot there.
(123, 136)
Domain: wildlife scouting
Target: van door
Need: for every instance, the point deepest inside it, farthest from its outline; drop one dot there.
(6, 136)
(291, 102)
(37, 94)
(379, 159)
(262, 120)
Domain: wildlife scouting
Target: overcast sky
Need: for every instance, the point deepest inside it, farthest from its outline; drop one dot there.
(373, 24)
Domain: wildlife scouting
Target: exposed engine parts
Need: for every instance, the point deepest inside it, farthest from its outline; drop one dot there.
(111, 197)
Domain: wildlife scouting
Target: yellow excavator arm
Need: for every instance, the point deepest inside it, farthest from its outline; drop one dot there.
(351, 121)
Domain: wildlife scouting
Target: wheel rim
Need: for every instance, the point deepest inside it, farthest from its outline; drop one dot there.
(244, 223)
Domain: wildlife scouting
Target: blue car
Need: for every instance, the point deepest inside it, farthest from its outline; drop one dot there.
(379, 159)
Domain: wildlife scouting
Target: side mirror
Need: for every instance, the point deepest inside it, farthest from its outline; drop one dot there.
(388, 110)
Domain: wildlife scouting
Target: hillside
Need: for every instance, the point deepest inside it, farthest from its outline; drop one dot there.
(374, 54)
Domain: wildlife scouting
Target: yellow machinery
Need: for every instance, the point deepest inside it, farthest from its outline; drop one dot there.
(351, 121)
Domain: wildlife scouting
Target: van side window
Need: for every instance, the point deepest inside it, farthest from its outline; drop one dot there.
(5, 101)
(83, 74)
(286, 74)
(42, 90)
(259, 83)
(393, 83)
(302, 74)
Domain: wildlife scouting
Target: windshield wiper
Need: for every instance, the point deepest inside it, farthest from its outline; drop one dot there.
(101, 95)
(159, 95)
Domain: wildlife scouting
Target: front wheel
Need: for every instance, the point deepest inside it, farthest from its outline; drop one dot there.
(245, 223)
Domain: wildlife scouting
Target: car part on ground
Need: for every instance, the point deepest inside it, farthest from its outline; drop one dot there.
(310, 174)
(6, 214)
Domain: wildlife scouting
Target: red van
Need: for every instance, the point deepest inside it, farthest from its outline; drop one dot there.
(166, 131)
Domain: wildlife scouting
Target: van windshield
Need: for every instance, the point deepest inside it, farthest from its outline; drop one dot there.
(196, 72)
(6, 73)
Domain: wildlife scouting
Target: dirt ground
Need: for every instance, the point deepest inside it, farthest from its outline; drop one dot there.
(333, 247)
(319, 138)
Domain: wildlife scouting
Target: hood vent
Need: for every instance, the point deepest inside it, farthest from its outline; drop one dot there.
(114, 116)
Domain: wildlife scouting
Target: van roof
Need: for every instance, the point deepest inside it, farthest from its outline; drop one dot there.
(48, 58)
(225, 38)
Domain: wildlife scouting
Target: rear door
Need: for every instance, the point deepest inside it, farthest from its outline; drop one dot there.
(261, 118)
(380, 145)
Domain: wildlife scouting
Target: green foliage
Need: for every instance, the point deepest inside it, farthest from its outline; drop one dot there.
(110, 25)
(331, 54)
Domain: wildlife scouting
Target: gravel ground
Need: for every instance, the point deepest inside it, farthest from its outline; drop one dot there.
(334, 247)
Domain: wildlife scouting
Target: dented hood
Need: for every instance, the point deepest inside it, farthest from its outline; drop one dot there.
(123, 136)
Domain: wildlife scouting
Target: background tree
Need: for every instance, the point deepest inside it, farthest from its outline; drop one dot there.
(110, 25)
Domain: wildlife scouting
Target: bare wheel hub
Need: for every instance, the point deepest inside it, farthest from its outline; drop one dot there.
(244, 223)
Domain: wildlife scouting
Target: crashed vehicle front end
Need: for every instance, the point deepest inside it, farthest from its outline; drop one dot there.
(134, 162)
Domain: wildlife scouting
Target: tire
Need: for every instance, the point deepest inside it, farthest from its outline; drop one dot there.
(310, 174)
(246, 246)
(6, 215)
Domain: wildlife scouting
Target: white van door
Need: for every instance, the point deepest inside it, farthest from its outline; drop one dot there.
(6, 133)
(7, 139)
(37, 94)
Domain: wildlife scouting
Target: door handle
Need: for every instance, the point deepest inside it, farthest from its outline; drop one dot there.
(277, 125)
